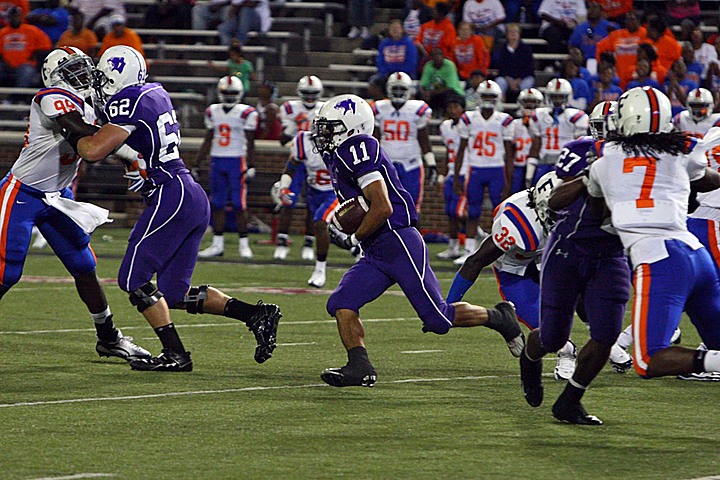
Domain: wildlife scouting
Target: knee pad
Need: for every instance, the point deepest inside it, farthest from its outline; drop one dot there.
(194, 299)
(145, 296)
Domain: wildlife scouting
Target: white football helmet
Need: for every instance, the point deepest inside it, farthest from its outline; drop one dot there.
(539, 195)
(230, 90)
(68, 67)
(643, 110)
(340, 118)
(399, 88)
(530, 99)
(119, 67)
(490, 94)
(700, 103)
(558, 92)
(602, 119)
(309, 89)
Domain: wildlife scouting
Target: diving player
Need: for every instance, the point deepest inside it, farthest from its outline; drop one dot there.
(394, 249)
(166, 237)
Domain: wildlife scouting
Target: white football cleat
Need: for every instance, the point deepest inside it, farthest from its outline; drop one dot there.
(308, 253)
(565, 364)
(245, 251)
(281, 252)
(317, 279)
(620, 359)
(40, 241)
(461, 259)
(449, 254)
(212, 251)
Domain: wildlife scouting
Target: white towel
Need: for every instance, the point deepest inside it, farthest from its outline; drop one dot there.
(86, 215)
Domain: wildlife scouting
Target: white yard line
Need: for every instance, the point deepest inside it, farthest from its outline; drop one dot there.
(413, 352)
(79, 475)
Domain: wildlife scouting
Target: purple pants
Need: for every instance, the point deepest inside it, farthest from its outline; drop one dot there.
(566, 275)
(166, 238)
(398, 256)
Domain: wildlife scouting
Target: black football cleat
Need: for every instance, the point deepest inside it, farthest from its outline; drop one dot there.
(167, 361)
(264, 326)
(531, 380)
(574, 413)
(346, 377)
(509, 328)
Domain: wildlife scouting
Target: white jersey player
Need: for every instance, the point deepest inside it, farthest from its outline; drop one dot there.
(36, 192)
(644, 178)
(529, 100)
(400, 125)
(698, 118)
(230, 138)
(552, 127)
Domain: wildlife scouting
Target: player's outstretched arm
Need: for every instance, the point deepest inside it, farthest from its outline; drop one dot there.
(73, 122)
(485, 255)
(566, 192)
(102, 143)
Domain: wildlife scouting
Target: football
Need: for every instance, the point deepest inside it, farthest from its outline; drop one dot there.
(348, 216)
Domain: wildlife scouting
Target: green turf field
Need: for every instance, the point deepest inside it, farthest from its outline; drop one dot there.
(444, 407)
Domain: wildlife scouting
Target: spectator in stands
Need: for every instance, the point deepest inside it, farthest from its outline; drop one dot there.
(415, 14)
(559, 19)
(643, 76)
(245, 16)
(677, 10)
(5, 5)
(705, 53)
(360, 18)
(120, 34)
(677, 86)
(515, 64)
(582, 95)
(79, 36)
(647, 52)
(169, 14)
(576, 55)
(685, 33)
(623, 44)
(470, 52)
(472, 97)
(588, 33)
(438, 32)
(667, 48)
(98, 13)
(712, 79)
(239, 66)
(208, 14)
(397, 52)
(22, 48)
(486, 18)
(51, 19)
(615, 10)
(694, 68)
(605, 89)
(439, 78)
(522, 11)
(269, 126)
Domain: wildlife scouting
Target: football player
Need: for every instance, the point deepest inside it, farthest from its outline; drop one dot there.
(319, 196)
(296, 116)
(230, 140)
(698, 118)
(394, 249)
(401, 127)
(487, 142)
(552, 128)
(167, 235)
(529, 100)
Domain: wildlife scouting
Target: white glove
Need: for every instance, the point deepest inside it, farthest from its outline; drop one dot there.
(249, 174)
(135, 180)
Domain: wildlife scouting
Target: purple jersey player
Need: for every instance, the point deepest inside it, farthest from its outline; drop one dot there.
(394, 249)
(166, 237)
(580, 247)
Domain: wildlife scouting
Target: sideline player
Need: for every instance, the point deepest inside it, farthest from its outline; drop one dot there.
(43, 172)
(698, 118)
(401, 127)
(296, 116)
(166, 236)
(394, 249)
(230, 140)
(529, 100)
(320, 196)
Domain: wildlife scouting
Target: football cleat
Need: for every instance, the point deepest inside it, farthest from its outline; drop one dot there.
(449, 254)
(264, 326)
(317, 279)
(531, 380)
(510, 328)
(40, 241)
(565, 363)
(245, 252)
(346, 377)
(308, 253)
(573, 413)
(620, 360)
(123, 348)
(701, 377)
(212, 251)
(516, 345)
(461, 259)
(676, 337)
(167, 361)
(281, 252)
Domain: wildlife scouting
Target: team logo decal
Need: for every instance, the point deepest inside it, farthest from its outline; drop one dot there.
(346, 105)
(118, 63)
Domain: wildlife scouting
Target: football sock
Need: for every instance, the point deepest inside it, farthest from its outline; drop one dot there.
(219, 240)
(459, 287)
(625, 338)
(244, 242)
(169, 338)
(320, 265)
(240, 310)
(470, 245)
(453, 245)
(282, 239)
(104, 326)
(573, 392)
(712, 361)
(358, 357)
(309, 241)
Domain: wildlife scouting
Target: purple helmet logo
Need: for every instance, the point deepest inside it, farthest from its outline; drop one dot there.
(347, 105)
(118, 63)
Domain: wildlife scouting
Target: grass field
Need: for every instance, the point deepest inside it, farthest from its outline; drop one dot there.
(444, 407)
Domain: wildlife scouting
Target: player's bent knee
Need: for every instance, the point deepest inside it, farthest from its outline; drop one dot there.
(145, 297)
(194, 299)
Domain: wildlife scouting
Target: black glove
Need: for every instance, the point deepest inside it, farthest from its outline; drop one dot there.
(342, 240)
(432, 174)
